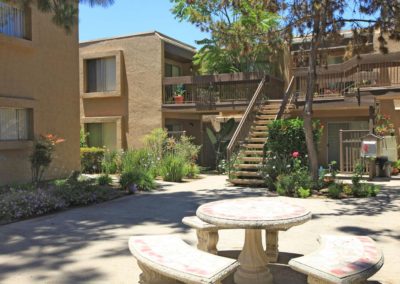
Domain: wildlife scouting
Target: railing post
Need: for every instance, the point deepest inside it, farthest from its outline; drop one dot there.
(341, 150)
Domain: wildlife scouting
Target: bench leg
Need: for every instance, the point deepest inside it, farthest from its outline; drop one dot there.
(272, 251)
(149, 276)
(313, 280)
(207, 241)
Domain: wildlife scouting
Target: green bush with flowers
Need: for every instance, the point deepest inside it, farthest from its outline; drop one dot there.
(285, 155)
(383, 125)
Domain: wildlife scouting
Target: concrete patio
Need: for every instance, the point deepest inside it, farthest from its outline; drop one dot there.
(89, 245)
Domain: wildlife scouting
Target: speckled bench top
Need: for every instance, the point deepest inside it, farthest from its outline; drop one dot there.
(341, 259)
(171, 256)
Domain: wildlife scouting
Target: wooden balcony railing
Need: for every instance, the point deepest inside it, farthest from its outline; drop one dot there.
(206, 92)
(370, 71)
(245, 123)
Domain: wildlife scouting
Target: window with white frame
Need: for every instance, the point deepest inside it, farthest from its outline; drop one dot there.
(15, 124)
(14, 21)
(101, 74)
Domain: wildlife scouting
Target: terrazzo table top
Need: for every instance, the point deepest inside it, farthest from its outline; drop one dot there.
(254, 213)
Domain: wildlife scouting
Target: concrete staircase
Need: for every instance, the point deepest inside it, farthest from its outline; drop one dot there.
(250, 156)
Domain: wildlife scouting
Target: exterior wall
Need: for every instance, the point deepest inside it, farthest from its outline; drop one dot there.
(41, 74)
(138, 101)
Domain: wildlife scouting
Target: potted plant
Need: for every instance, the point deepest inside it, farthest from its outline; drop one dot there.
(178, 94)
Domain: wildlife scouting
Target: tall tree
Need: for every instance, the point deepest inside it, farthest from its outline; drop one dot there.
(321, 21)
(64, 12)
(240, 34)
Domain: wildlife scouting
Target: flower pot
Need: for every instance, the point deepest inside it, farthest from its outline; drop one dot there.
(178, 99)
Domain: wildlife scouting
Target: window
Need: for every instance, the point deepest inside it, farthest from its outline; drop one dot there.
(15, 124)
(101, 75)
(14, 21)
(172, 70)
(102, 135)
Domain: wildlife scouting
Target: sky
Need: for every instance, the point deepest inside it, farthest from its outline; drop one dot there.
(134, 16)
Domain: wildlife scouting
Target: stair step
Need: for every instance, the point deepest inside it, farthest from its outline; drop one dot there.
(268, 111)
(252, 159)
(266, 116)
(262, 122)
(259, 133)
(253, 152)
(268, 107)
(248, 166)
(240, 181)
(247, 174)
(258, 139)
(254, 146)
(260, 127)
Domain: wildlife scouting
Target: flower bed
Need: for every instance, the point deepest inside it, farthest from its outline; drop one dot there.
(20, 202)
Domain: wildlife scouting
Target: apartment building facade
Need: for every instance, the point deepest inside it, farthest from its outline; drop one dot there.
(38, 87)
(347, 87)
(121, 86)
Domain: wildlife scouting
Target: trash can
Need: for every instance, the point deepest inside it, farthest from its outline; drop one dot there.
(382, 166)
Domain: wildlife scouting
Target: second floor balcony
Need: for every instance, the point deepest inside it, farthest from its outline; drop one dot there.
(217, 92)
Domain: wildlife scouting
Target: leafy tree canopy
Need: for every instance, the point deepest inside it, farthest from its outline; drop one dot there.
(239, 33)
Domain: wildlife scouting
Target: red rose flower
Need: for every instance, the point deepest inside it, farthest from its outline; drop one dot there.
(295, 154)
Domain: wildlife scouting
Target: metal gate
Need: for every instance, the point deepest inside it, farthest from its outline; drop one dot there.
(350, 145)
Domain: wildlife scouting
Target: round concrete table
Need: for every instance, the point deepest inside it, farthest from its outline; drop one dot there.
(253, 215)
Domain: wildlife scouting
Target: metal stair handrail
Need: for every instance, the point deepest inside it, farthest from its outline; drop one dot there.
(287, 99)
(243, 128)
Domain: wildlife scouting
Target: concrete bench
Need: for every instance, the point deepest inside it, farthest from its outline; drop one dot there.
(166, 259)
(340, 259)
(207, 237)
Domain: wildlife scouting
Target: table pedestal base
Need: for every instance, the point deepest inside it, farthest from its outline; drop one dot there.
(253, 261)
(272, 250)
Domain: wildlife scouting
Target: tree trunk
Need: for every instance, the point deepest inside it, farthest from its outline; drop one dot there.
(308, 111)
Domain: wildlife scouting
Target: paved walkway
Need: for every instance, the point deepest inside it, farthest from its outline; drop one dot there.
(90, 244)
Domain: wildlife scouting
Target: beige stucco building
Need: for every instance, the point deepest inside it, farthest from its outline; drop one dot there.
(121, 86)
(38, 92)
(147, 69)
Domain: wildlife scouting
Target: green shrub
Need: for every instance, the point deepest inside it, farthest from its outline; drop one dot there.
(335, 190)
(83, 138)
(285, 185)
(18, 204)
(91, 159)
(187, 149)
(303, 192)
(275, 165)
(347, 189)
(286, 136)
(155, 144)
(138, 160)
(84, 192)
(24, 201)
(366, 190)
(111, 162)
(192, 170)
(104, 179)
(142, 179)
(295, 177)
(173, 168)
(357, 175)
(42, 155)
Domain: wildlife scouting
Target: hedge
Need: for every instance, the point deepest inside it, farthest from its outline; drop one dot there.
(91, 159)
